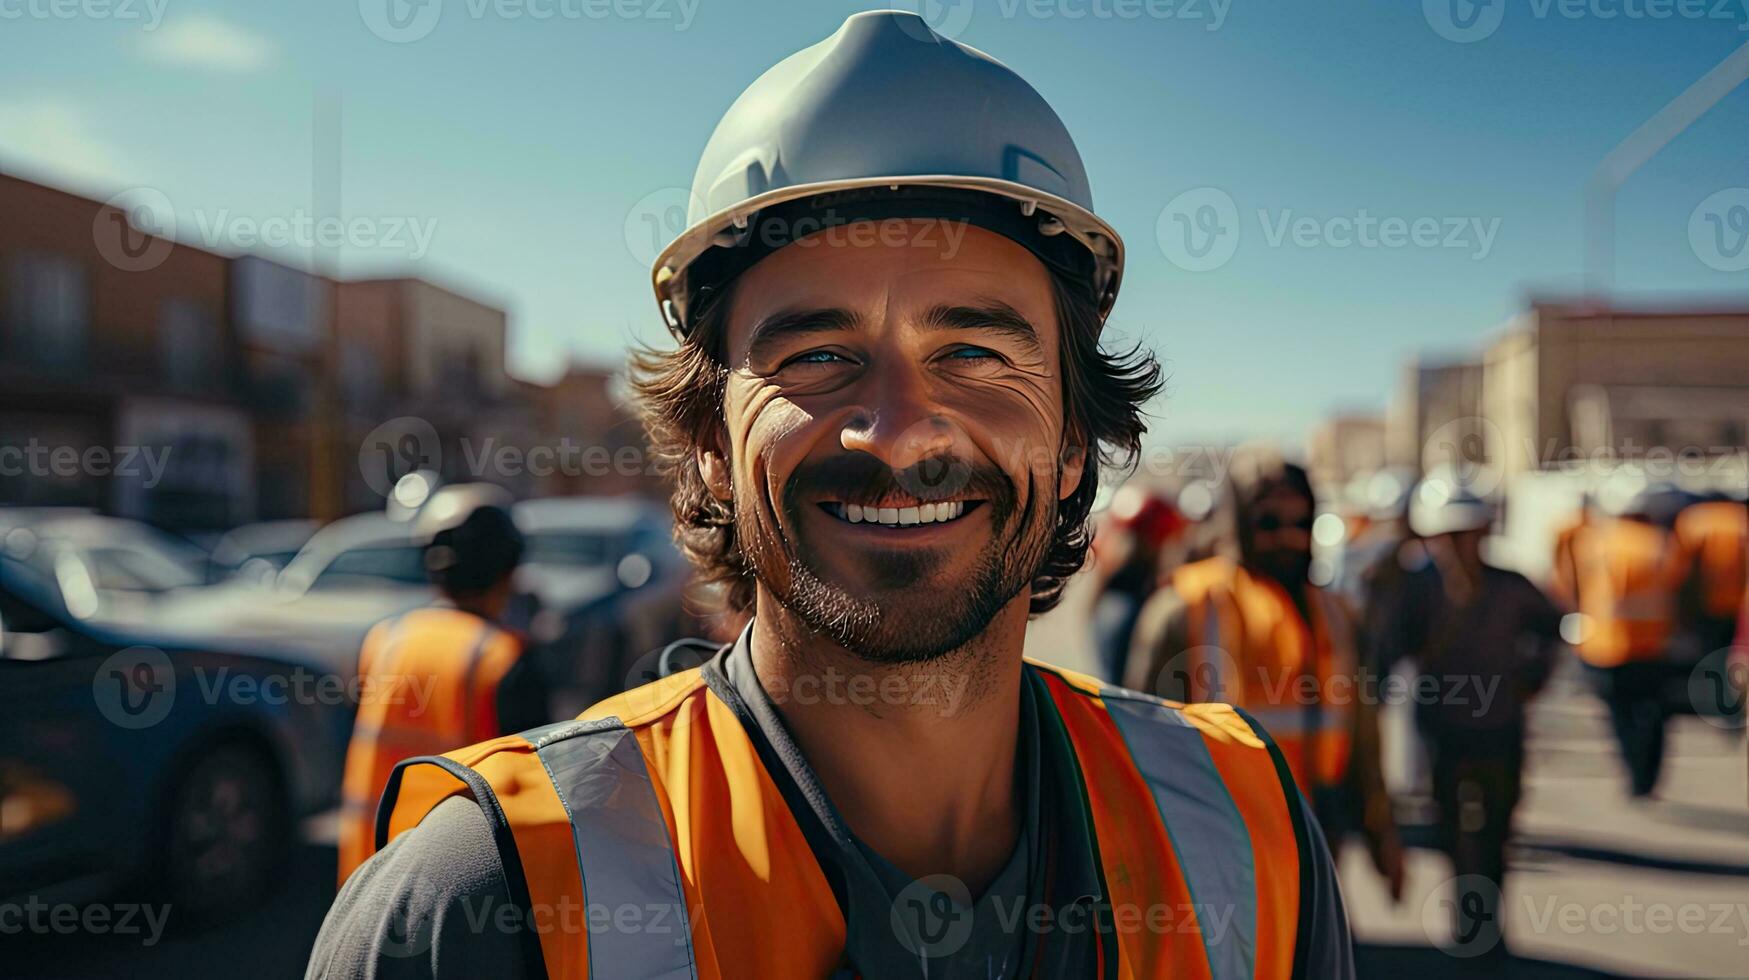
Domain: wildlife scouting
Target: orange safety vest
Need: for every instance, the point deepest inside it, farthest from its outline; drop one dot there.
(428, 683)
(1625, 591)
(1257, 652)
(1712, 540)
(1564, 574)
(648, 838)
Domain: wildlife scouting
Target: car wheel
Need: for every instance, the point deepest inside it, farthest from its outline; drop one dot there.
(226, 832)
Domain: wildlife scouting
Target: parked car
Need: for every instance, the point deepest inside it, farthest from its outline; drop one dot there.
(132, 758)
(255, 553)
(350, 575)
(106, 567)
(611, 587)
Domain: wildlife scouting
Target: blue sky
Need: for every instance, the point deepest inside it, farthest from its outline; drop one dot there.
(530, 149)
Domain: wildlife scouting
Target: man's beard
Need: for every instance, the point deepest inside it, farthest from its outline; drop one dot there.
(1290, 569)
(903, 614)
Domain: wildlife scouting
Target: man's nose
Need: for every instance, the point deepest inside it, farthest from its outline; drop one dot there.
(898, 421)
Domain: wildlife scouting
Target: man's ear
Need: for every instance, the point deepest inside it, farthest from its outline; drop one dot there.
(1074, 468)
(714, 467)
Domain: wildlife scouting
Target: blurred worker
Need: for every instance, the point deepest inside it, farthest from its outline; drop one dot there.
(1482, 640)
(438, 678)
(1711, 566)
(1621, 588)
(1251, 629)
(1127, 554)
(887, 449)
(1563, 567)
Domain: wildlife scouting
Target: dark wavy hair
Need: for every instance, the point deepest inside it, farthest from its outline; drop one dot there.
(679, 395)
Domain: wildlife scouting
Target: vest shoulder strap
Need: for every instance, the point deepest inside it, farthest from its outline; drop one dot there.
(588, 781)
(1226, 802)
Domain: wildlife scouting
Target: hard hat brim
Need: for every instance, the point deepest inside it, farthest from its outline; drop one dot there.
(669, 274)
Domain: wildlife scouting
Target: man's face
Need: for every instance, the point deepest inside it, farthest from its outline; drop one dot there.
(1281, 534)
(894, 422)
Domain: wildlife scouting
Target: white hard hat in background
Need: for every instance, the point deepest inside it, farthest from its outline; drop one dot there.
(885, 118)
(1442, 504)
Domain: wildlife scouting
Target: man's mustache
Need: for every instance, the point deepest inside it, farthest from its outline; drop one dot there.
(859, 476)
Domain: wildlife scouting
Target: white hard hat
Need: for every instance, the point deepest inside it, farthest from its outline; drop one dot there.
(1442, 504)
(885, 118)
(448, 507)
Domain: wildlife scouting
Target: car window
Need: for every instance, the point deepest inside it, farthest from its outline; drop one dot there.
(400, 563)
(572, 548)
(130, 570)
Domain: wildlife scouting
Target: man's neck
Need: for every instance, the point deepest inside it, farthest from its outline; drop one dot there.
(917, 757)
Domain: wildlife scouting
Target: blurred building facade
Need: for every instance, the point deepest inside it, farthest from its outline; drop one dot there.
(1571, 382)
(240, 388)
(1436, 416)
(1346, 446)
(118, 389)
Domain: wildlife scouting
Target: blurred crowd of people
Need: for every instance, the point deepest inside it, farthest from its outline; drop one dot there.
(1216, 595)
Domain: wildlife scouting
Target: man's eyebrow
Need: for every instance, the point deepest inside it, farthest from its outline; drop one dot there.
(794, 323)
(991, 315)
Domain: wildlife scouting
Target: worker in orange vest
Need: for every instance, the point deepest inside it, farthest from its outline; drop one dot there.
(1250, 628)
(1623, 603)
(886, 449)
(1563, 582)
(1712, 568)
(442, 676)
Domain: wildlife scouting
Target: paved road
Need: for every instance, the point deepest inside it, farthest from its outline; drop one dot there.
(1601, 884)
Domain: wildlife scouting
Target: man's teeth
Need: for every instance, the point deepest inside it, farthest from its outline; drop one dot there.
(900, 516)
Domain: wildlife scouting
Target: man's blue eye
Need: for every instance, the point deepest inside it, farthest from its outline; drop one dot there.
(973, 352)
(817, 357)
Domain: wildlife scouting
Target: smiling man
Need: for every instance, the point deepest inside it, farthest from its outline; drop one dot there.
(885, 418)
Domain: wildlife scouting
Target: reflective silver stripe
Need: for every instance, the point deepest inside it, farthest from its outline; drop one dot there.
(1207, 833)
(1211, 637)
(635, 907)
(473, 669)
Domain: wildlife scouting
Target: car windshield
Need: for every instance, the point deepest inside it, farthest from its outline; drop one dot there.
(585, 548)
(394, 563)
(138, 570)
